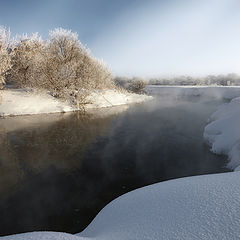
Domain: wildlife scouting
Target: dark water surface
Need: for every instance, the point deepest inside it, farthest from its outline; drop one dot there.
(58, 171)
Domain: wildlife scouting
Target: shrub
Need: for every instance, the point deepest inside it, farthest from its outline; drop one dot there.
(135, 85)
(121, 82)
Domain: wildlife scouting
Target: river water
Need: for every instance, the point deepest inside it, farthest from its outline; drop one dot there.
(59, 170)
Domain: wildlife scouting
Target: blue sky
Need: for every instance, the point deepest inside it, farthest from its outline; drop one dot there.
(141, 37)
(87, 17)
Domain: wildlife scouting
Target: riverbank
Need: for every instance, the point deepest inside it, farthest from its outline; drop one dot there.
(15, 102)
(223, 132)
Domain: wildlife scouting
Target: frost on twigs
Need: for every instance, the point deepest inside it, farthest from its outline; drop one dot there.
(60, 65)
(25, 60)
(4, 55)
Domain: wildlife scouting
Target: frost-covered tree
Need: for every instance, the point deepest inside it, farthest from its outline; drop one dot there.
(4, 54)
(63, 56)
(68, 68)
(26, 54)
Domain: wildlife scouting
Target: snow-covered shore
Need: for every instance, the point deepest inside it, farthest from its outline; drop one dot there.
(223, 132)
(21, 102)
(203, 207)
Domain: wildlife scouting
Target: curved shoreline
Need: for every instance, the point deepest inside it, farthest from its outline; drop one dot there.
(15, 102)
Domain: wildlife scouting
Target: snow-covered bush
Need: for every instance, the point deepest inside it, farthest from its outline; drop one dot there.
(4, 54)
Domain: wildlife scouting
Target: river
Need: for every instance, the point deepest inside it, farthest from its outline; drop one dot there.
(59, 170)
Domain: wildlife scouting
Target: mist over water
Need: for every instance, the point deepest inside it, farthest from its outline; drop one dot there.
(59, 171)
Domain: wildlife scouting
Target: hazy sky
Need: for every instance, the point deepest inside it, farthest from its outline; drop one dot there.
(141, 37)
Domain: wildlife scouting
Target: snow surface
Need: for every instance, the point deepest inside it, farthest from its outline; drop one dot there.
(201, 207)
(114, 98)
(42, 236)
(22, 102)
(223, 133)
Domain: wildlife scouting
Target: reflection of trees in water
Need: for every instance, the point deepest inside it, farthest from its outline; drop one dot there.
(59, 144)
(10, 170)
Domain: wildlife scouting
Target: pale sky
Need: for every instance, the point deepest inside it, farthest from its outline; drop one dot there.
(141, 38)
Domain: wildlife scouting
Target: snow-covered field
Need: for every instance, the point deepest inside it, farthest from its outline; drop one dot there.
(22, 102)
(200, 207)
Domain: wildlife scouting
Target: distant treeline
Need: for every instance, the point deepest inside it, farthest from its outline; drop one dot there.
(220, 80)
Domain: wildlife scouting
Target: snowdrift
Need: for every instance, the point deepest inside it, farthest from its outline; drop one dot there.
(223, 133)
(202, 207)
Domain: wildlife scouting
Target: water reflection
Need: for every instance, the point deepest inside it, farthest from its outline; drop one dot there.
(31, 144)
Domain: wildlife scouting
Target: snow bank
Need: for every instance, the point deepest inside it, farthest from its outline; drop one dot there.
(22, 102)
(203, 207)
(111, 98)
(223, 133)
